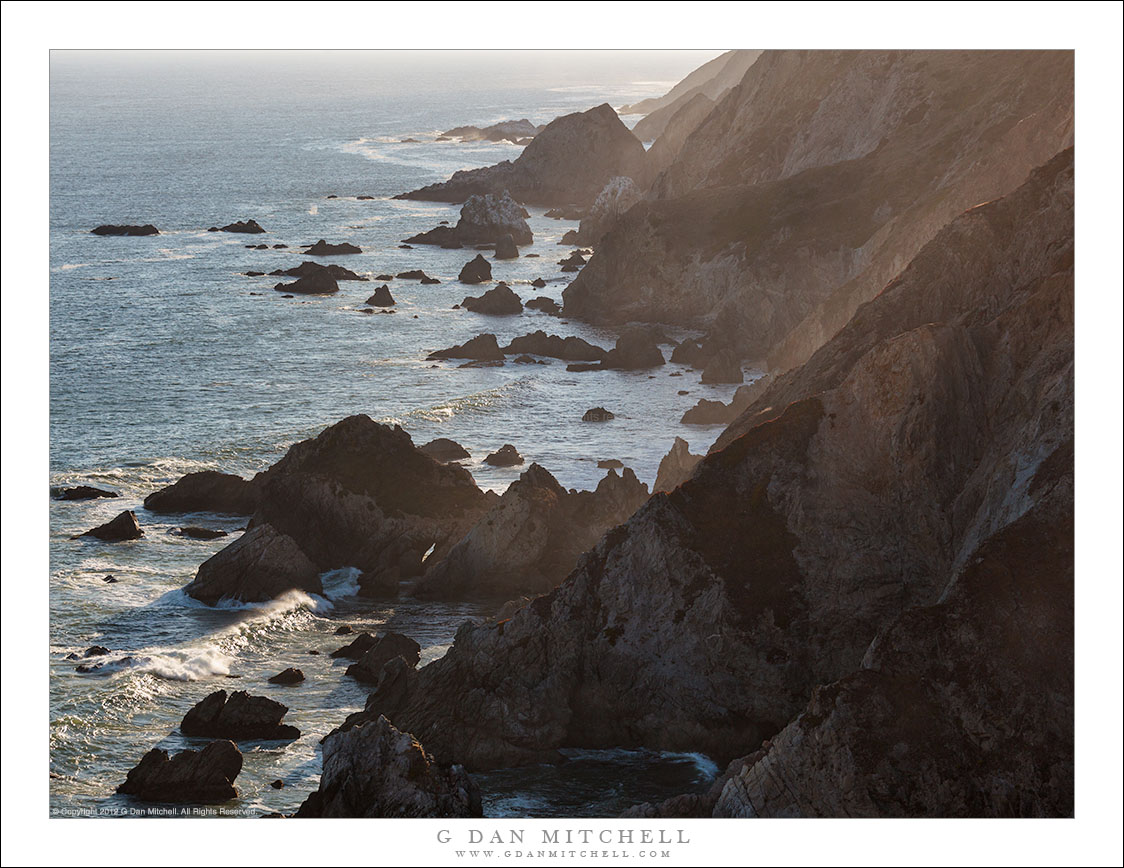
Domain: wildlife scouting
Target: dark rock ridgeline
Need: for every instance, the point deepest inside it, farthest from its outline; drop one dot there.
(760, 585)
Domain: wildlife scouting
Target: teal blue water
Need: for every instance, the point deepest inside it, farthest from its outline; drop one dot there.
(166, 358)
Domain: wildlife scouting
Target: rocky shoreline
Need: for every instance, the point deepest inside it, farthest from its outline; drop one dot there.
(855, 602)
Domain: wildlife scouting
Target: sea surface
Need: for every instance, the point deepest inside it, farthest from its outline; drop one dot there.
(165, 358)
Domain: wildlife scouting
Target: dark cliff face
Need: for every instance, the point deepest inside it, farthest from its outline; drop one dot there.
(815, 181)
(708, 619)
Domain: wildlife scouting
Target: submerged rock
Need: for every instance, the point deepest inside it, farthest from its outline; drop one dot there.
(238, 717)
(373, 770)
(206, 776)
(201, 532)
(81, 492)
(109, 229)
(124, 527)
(260, 565)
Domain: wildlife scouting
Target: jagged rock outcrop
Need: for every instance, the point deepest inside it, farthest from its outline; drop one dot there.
(504, 131)
(206, 776)
(360, 494)
(530, 540)
(373, 770)
(368, 668)
(324, 248)
(570, 348)
(812, 184)
(288, 676)
(381, 297)
(618, 196)
(122, 528)
(710, 412)
(961, 709)
(568, 162)
(506, 249)
(934, 422)
(238, 717)
(485, 219)
(260, 565)
(635, 349)
(712, 78)
(206, 491)
(676, 467)
(723, 367)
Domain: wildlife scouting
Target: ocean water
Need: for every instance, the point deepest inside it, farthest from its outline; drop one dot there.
(165, 358)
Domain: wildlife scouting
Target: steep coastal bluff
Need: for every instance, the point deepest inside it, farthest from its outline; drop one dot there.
(839, 539)
(817, 179)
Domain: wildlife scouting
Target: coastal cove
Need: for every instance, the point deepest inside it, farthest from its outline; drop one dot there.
(694, 443)
(167, 359)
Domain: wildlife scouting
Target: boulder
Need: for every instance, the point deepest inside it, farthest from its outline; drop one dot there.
(206, 491)
(506, 249)
(481, 348)
(238, 717)
(444, 450)
(610, 464)
(498, 301)
(205, 776)
(676, 467)
(245, 227)
(506, 456)
(81, 492)
(373, 770)
(478, 270)
(292, 675)
(323, 248)
(413, 274)
(260, 565)
(124, 527)
(381, 297)
(571, 348)
(108, 229)
(369, 667)
(597, 414)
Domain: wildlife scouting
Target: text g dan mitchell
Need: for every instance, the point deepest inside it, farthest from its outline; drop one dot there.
(564, 836)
